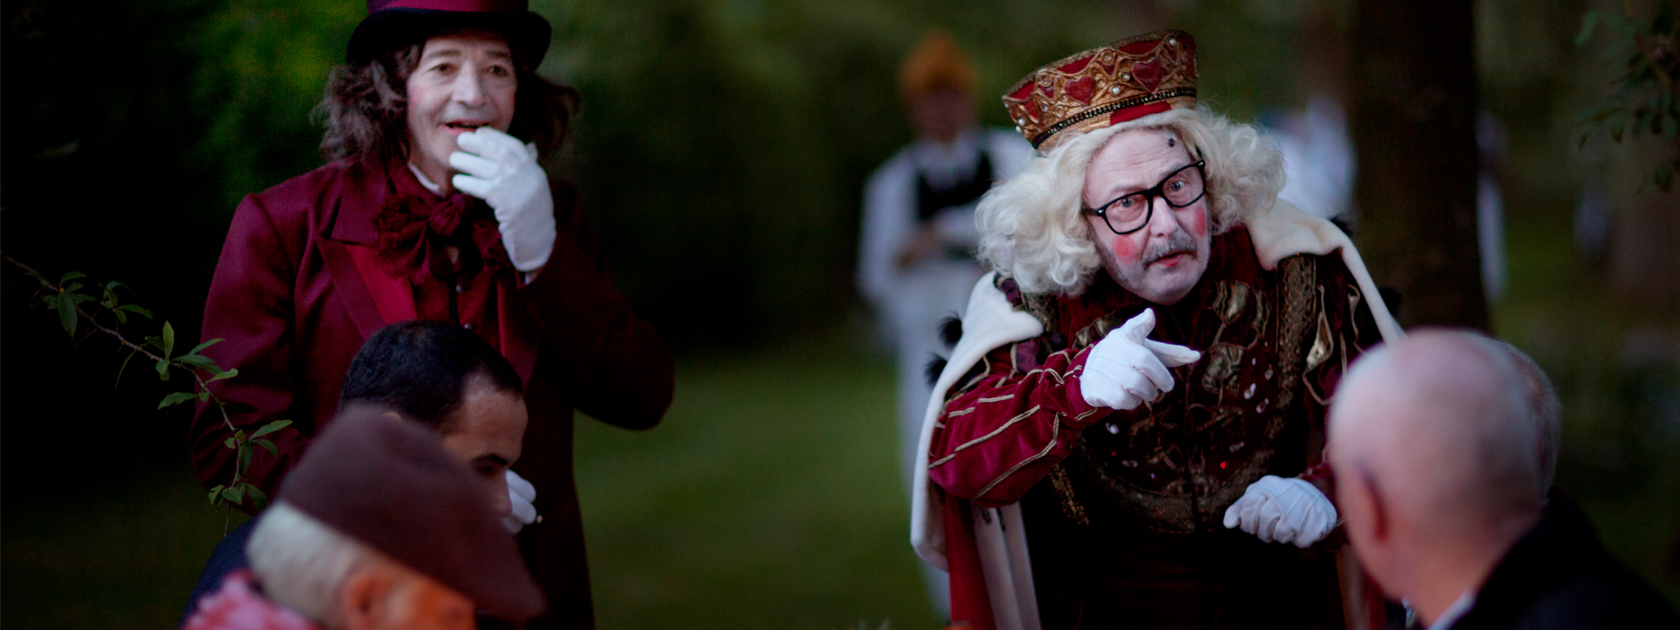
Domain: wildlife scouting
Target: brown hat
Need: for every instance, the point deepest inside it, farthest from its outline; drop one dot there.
(391, 485)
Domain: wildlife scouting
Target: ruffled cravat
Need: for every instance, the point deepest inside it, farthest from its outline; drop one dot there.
(416, 228)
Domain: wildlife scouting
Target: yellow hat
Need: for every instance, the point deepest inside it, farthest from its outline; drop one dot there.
(936, 64)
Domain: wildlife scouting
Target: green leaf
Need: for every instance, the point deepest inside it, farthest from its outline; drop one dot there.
(1587, 24)
(176, 399)
(258, 499)
(67, 316)
(271, 427)
(71, 275)
(245, 453)
(235, 494)
(136, 310)
(124, 367)
(114, 285)
(215, 491)
(163, 370)
(121, 317)
(200, 347)
(230, 443)
(221, 375)
(272, 450)
(239, 435)
(204, 397)
(197, 360)
(1620, 23)
(168, 339)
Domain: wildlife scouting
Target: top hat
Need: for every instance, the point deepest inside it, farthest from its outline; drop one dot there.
(393, 24)
(1107, 85)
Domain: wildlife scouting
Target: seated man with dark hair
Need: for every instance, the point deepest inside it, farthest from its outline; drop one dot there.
(446, 378)
(450, 380)
(329, 554)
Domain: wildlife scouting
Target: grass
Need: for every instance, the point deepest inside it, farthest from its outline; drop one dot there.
(769, 498)
(124, 556)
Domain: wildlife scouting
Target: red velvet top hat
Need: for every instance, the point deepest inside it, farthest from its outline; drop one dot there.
(1107, 85)
(393, 24)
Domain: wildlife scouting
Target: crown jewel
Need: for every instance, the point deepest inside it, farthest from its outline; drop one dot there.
(1111, 84)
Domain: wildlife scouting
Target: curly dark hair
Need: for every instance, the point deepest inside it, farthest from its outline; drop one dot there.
(366, 105)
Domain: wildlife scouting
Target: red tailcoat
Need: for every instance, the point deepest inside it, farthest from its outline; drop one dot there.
(297, 291)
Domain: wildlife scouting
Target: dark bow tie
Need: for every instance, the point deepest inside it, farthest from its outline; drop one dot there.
(416, 230)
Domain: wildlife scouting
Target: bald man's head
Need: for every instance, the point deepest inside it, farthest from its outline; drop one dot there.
(1433, 445)
(1544, 408)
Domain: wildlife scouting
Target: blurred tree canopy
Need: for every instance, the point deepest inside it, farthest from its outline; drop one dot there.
(721, 145)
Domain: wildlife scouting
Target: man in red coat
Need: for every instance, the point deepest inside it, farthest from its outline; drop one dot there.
(435, 207)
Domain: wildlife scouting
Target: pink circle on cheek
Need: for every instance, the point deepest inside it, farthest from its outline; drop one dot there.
(1198, 224)
(1125, 248)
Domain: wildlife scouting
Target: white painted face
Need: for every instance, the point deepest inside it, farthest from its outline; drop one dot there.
(1165, 259)
(464, 81)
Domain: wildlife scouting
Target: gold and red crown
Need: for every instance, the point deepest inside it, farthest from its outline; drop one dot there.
(1111, 84)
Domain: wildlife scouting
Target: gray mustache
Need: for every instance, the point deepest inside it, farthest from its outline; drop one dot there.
(1178, 243)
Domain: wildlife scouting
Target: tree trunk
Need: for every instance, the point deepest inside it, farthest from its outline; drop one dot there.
(1413, 90)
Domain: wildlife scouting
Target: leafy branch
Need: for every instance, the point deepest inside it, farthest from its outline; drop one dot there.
(78, 300)
(1645, 98)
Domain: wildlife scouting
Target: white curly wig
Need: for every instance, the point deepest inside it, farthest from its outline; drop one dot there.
(1031, 228)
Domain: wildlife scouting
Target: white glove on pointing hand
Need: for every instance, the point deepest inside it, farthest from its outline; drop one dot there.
(497, 168)
(1283, 510)
(520, 493)
(1125, 369)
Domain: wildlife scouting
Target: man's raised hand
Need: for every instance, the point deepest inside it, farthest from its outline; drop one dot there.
(1125, 368)
(521, 494)
(502, 171)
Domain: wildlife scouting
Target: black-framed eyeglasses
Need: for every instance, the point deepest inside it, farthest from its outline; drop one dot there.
(1132, 211)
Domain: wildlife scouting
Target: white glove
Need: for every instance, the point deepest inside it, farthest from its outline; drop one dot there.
(1283, 510)
(520, 493)
(1125, 369)
(495, 167)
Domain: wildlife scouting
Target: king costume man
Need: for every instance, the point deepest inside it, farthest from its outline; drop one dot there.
(1130, 431)
(434, 207)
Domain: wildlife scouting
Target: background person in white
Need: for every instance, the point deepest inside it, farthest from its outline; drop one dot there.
(916, 261)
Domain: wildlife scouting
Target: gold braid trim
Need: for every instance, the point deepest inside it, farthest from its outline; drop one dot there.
(1295, 323)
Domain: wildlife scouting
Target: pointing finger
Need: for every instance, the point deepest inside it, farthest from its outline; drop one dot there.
(1172, 355)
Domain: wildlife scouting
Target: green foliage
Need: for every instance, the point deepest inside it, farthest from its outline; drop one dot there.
(70, 301)
(1644, 97)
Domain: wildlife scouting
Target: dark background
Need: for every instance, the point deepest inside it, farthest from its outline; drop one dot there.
(721, 149)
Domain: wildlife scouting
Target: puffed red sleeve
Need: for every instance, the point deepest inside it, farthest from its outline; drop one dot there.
(624, 372)
(1014, 420)
(250, 308)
